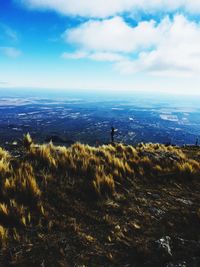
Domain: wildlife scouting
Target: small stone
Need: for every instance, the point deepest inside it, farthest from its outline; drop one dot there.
(164, 245)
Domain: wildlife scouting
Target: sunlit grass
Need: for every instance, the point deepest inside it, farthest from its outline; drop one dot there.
(97, 173)
(27, 141)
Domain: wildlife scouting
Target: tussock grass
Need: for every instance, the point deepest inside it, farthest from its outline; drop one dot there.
(98, 173)
(4, 154)
(19, 195)
(4, 161)
(96, 166)
(23, 185)
(4, 166)
(27, 141)
(3, 235)
(45, 154)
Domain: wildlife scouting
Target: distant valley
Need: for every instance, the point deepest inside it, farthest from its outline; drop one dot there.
(88, 119)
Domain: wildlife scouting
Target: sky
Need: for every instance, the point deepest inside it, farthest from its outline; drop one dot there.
(130, 45)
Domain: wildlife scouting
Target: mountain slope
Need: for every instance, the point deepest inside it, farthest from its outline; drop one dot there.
(112, 205)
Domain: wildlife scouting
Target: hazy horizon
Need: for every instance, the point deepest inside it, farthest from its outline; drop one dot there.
(87, 116)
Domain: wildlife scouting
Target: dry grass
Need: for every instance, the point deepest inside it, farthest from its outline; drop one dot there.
(4, 161)
(106, 166)
(35, 190)
(3, 235)
(27, 141)
(23, 185)
(4, 154)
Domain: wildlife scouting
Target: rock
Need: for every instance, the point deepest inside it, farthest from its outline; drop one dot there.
(164, 246)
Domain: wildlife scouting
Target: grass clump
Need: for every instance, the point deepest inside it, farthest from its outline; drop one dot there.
(4, 162)
(104, 185)
(27, 141)
(3, 235)
(23, 185)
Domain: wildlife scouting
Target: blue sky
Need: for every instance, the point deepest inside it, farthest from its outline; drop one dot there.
(101, 45)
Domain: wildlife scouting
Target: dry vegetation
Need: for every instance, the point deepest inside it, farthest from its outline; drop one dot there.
(99, 206)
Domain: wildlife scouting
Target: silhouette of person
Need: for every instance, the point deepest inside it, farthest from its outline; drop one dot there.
(112, 134)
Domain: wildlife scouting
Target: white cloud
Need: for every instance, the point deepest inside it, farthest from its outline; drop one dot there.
(177, 53)
(171, 47)
(75, 55)
(10, 51)
(106, 56)
(102, 8)
(98, 56)
(115, 35)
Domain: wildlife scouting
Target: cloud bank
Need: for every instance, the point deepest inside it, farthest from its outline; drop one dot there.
(103, 9)
(169, 47)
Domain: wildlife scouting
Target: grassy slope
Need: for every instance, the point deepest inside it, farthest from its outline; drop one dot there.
(104, 206)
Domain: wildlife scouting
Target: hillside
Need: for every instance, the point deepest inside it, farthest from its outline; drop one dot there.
(112, 205)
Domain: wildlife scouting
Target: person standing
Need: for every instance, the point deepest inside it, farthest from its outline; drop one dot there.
(112, 134)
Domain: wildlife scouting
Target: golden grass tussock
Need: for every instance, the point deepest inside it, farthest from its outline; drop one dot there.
(4, 166)
(27, 141)
(119, 161)
(3, 235)
(189, 170)
(103, 185)
(4, 154)
(22, 185)
(25, 183)
(4, 161)
(45, 154)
